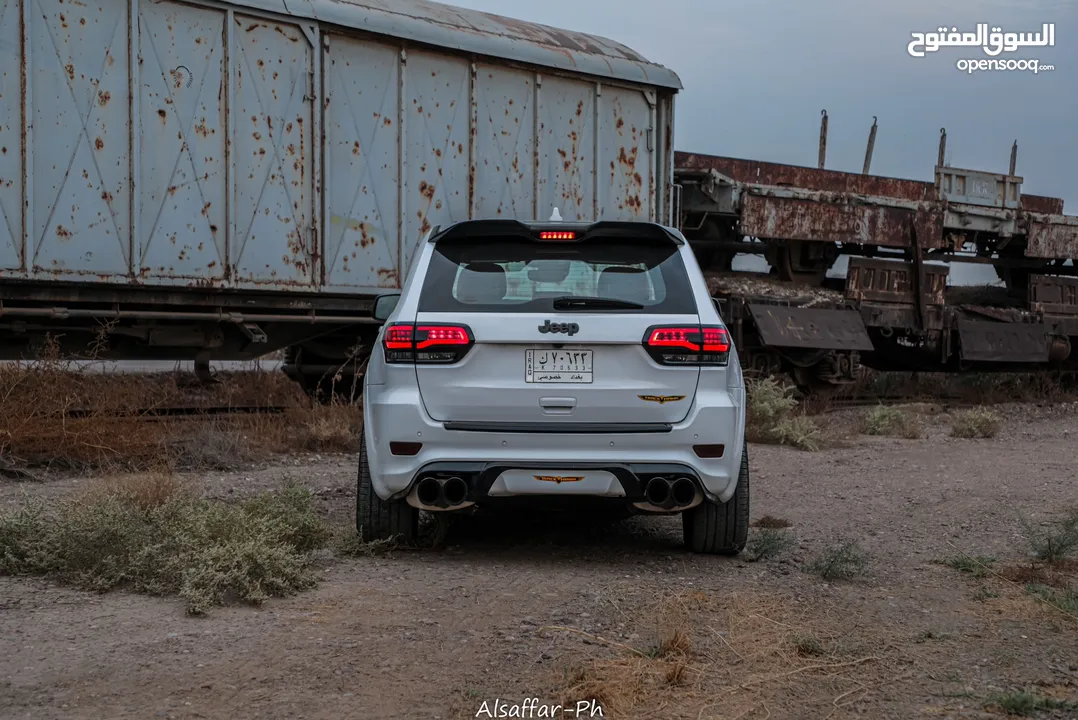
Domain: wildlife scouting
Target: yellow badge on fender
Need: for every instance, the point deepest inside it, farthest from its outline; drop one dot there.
(661, 399)
(559, 479)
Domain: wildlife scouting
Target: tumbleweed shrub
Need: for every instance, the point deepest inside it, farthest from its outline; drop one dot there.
(975, 423)
(771, 417)
(891, 422)
(1055, 541)
(161, 538)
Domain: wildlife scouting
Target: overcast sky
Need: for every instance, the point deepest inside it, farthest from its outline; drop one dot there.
(757, 74)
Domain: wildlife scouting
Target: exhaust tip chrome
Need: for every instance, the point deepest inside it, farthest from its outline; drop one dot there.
(454, 491)
(683, 491)
(657, 491)
(429, 491)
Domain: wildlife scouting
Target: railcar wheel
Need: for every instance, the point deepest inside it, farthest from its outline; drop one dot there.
(802, 262)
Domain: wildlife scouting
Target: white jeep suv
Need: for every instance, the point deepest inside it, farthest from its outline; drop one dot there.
(554, 362)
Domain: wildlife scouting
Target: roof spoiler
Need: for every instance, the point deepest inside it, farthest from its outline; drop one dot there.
(517, 228)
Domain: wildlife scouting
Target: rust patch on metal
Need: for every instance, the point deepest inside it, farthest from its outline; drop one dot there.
(426, 189)
(1052, 236)
(1042, 204)
(1053, 295)
(892, 281)
(1003, 341)
(818, 328)
(387, 277)
(103, 97)
(764, 173)
(63, 233)
(832, 219)
(99, 143)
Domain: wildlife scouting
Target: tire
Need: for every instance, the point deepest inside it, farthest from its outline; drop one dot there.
(721, 529)
(378, 519)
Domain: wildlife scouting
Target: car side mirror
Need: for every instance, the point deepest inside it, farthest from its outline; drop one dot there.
(384, 305)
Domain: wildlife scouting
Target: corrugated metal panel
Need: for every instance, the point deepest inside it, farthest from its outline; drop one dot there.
(81, 201)
(11, 242)
(362, 130)
(230, 178)
(627, 130)
(273, 143)
(436, 113)
(505, 142)
(567, 148)
(182, 158)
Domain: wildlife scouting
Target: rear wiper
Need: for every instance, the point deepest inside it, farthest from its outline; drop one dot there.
(573, 302)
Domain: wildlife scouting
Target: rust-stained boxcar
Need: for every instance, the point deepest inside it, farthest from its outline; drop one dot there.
(205, 174)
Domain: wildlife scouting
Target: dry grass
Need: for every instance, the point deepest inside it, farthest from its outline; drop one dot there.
(1053, 542)
(891, 422)
(767, 543)
(976, 423)
(968, 388)
(57, 414)
(739, 655)
(770, 521)
(843, 561)
(772, 417)
(155, 534)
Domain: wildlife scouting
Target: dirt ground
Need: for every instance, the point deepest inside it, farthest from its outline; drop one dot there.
(512, 607)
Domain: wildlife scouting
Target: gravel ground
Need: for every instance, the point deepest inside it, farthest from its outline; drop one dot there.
(435, 633)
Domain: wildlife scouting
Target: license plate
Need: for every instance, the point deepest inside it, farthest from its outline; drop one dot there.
(557, 366)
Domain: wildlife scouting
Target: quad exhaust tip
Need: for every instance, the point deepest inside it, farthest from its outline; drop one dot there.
(667, 495)
(447, 493)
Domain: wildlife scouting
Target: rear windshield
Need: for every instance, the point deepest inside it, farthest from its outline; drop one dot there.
(516, 274)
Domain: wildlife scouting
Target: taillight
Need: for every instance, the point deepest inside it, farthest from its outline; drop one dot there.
(550, 235)
(435, 343)
(688, 344)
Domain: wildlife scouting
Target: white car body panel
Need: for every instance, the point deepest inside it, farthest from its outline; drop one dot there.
(410, 403)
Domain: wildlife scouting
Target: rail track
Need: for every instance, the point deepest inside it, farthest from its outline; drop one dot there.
(837, 403)
(189, 412)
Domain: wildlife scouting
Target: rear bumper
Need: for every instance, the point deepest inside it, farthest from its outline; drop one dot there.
(396, 414)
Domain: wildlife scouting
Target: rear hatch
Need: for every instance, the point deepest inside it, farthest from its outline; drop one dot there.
(559, 327)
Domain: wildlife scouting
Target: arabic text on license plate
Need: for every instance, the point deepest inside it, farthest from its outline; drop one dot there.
(558, 366)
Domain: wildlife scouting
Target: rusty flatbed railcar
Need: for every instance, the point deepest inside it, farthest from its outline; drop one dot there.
(894, 310)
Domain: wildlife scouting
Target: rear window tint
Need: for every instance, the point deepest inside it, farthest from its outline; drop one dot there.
(516, 274)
